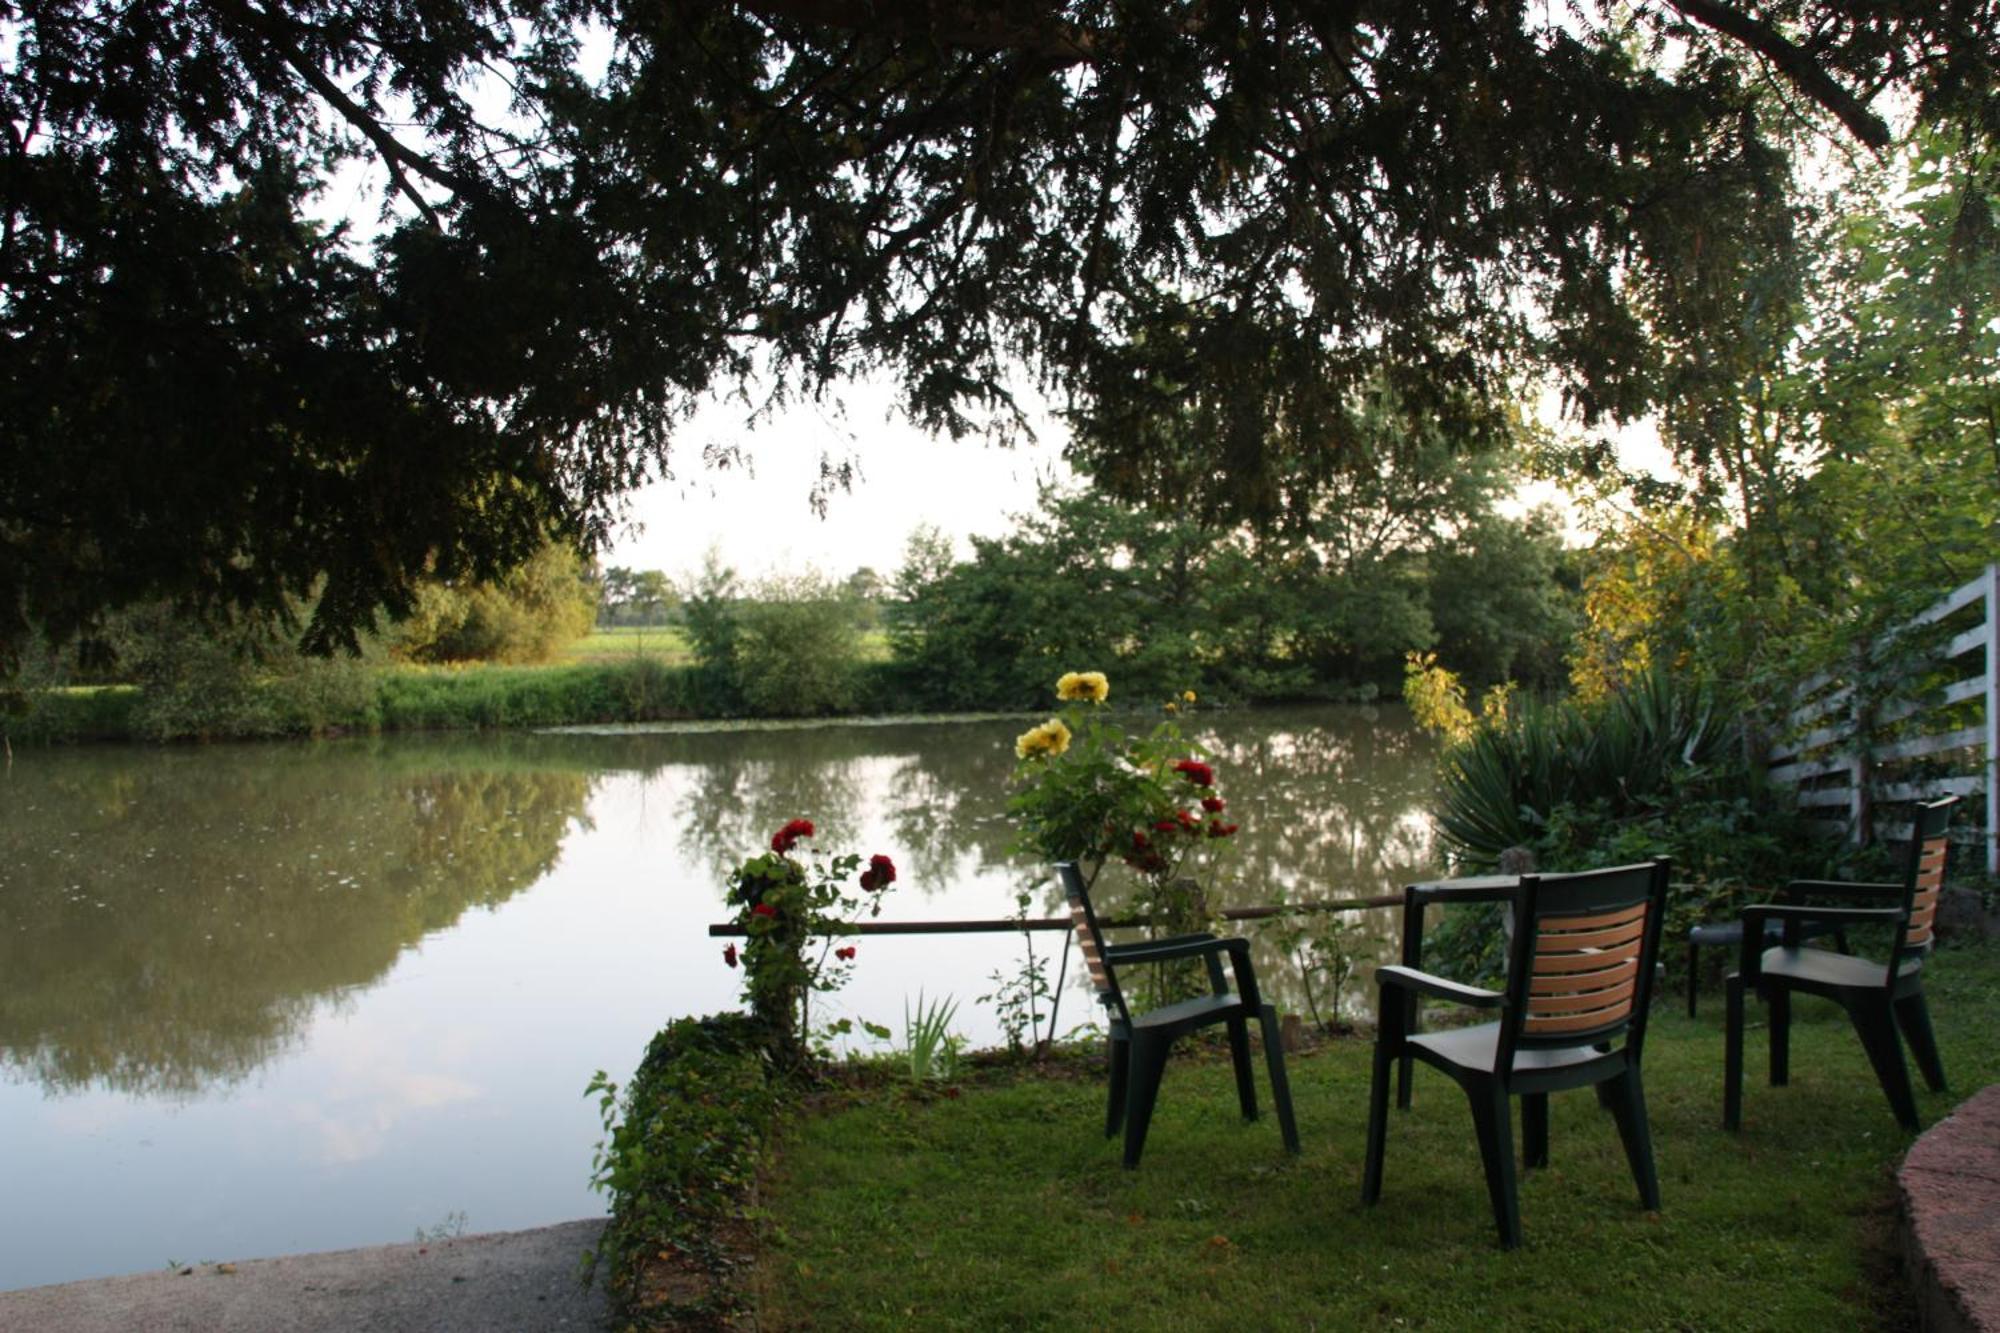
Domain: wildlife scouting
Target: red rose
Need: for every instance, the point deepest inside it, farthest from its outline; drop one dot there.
(1165, 826)
(1200, 774)
(787, 837)
(1212, 804)
(844, 954)
(1187, 820)
(729, 955)
(880, 874)
(763, 909)
(1139, 839)
(1220, 830)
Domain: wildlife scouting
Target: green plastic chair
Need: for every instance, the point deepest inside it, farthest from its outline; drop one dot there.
(1140, 1043)
(1572, 1014)
(1878, 997)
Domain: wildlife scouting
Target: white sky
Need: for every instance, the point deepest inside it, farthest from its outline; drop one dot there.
(759, 517)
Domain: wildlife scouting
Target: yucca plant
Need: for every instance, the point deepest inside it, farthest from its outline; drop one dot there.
(1503, 785)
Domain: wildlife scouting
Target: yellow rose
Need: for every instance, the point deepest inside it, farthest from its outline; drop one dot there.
(1089, 685)
(1188, 696)
(1049, 740)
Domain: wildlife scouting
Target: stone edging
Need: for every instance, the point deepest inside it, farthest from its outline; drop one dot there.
(1950, 1187)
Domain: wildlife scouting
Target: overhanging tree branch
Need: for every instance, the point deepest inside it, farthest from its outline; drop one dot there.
(1793, 63)
(399, 159)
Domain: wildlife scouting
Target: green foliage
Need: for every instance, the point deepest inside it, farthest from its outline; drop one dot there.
(794, 915)
(1316, 610)
(797, 649)
(1656, 769)
(680, 1158)
(1325, 947)
(635, 597)
(528, 615)
(214, 397)
(709, 606)
(930, 1052)
(1018, 1000)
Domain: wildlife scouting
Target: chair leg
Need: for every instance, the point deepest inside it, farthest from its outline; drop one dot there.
(1732, 1052)
(1635, 1130)
(1780, 1007)
(1239, 1055)
(1535, 1129)
(1694, 956)
(1149, 1062)
(1914, 1016)
(1121, 1066)
(1281, 1087)
(1378, 1118)
(1876, 1027)
(1405, 1068)
(1490, 1118)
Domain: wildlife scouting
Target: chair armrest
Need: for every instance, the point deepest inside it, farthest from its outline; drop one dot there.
(1841, 888)
(1423, 983)
(1154, 951)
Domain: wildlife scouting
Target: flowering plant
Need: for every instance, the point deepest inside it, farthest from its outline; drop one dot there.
(784, 905)
(1085, 791)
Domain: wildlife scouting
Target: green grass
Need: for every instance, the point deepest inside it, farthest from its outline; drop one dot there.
(1006, 1208)
(623, 642)
(670, 645)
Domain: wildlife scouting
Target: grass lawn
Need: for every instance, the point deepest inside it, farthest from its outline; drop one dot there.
(670, 645)
(1006, 1208)
(623, 642)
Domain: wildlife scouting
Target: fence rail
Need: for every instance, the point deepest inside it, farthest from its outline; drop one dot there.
(1004, 924)
(1849, 752)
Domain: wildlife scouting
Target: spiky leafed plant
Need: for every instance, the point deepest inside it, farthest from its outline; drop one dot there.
(1625, 756)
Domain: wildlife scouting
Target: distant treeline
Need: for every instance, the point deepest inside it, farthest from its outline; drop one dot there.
(1418, 558)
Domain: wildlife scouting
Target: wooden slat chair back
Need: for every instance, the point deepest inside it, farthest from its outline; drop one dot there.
(1572, 1015)
(1881, 1000)
(1091, 944)
(1582, 969)
(1928, 847)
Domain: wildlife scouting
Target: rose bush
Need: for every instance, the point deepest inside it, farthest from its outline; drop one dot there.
(1100, 794)
(793, 912)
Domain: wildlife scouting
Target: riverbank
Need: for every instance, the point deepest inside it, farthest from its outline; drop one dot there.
(342, 699)
(521, 1281)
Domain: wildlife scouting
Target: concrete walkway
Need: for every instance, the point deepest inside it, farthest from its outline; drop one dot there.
(496, 1283)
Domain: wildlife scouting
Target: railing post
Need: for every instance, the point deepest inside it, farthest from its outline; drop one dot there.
(1992, 766)
(1860, 762)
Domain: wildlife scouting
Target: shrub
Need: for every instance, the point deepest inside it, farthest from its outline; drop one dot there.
(523, 617)
(797, 649)
(1654, 769)
(680, 1158)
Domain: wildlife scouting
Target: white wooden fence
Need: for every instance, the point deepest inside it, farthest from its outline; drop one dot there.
(1847, 752)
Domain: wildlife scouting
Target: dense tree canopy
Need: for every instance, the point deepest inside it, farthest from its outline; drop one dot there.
(1203, 225)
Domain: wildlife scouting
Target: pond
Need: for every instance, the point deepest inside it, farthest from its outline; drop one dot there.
(263, 999)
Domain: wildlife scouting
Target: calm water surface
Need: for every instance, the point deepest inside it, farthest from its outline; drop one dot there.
(264, 999)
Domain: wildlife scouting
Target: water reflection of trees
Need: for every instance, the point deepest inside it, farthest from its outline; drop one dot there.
(171, 923)
(1332, 803)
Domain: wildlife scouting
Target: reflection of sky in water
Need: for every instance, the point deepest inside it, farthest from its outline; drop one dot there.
(264, 999)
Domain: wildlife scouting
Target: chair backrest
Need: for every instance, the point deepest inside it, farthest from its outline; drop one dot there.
(1580, 970)
(1923, 881)
(1090, 941)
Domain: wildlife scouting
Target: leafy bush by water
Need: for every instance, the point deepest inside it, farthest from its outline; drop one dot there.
(680, 1158)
